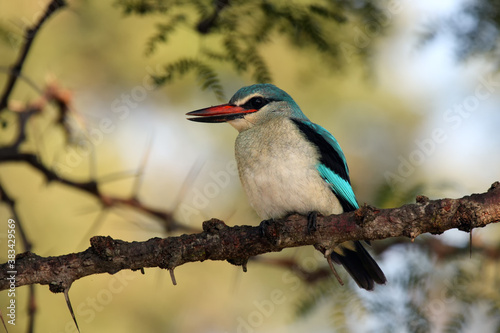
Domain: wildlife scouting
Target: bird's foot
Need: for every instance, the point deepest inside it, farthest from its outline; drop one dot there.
(263, 225)
(311, 222)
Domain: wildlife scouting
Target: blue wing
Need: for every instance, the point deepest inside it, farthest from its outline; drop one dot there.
(332, 165)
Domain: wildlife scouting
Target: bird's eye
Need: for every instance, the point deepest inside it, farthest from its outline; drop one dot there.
(256, 103)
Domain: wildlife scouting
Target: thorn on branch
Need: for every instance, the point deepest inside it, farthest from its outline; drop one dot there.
(3, 322)
(470, 244)
(172, 276)
(244, 265)
(70, 308)
(239, 262)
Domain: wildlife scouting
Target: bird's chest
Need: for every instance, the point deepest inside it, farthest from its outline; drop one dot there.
(262, 153)
(278, 171)
(270, 163)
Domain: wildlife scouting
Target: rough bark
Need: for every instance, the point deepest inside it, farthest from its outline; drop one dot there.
(236, 244)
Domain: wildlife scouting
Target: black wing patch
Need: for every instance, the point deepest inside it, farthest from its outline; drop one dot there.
(329, 156)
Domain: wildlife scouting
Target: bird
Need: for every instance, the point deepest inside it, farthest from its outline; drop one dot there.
(288, 164)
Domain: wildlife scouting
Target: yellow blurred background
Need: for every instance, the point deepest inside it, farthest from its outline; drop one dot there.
(399, 124)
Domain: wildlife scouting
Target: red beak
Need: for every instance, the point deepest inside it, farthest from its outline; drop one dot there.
(219, 113)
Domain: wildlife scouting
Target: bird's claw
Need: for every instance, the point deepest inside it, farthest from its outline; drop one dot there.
(263, 225)
(311, 222)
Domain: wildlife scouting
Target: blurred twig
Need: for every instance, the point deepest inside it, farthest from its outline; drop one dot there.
(27, 245)
(310, 277)
(11, 153)
(31, 33)
(62, 99)
(14, 74)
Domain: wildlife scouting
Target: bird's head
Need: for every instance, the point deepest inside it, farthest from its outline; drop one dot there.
(251, 106)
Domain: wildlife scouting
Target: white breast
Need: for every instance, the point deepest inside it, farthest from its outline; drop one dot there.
(277, 167)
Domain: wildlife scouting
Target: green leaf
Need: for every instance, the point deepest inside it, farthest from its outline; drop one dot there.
(207, 77)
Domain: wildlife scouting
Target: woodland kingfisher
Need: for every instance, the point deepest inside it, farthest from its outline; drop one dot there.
(287, 164)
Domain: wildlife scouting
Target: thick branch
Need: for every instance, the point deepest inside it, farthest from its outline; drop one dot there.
(236, 244)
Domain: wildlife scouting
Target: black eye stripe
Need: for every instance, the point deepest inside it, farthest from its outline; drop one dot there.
(256, 103)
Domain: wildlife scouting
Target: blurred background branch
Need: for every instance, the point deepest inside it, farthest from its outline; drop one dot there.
(16, 69)
(409, 89)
